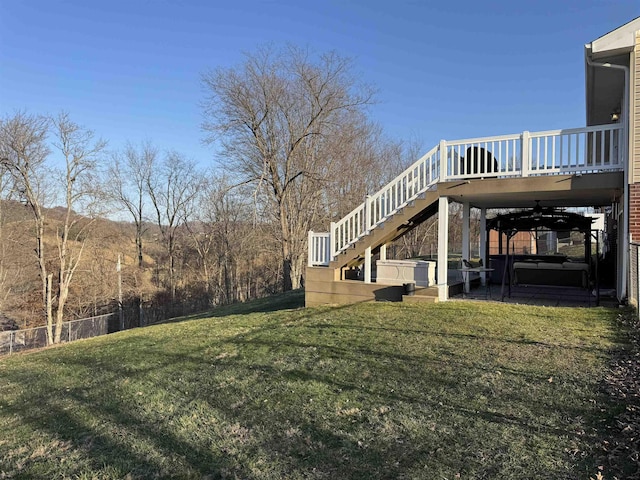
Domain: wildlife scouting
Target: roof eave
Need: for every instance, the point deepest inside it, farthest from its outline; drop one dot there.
(618, 41)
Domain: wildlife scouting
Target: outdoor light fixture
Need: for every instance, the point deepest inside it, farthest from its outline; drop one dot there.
(615, 115)
(537, 210)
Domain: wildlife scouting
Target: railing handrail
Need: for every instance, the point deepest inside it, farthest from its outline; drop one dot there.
(569, 155)
(496, 138)
(573, 131)
(393, 182)
(512, 136)
(406, 171)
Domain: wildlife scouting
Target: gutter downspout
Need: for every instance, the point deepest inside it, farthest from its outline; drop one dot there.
(626, 159)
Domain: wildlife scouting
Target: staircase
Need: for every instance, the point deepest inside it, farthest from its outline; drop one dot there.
(412, 196)
(390, 208)
(395, 225)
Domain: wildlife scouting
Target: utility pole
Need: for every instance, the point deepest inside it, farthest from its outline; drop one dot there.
(120, 312)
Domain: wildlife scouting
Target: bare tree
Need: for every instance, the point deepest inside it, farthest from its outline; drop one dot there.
(172, 188)
(24, 150)
(128, 177)
(80, 152)
(204, 221)
(275, 116)
(362, 161)
(7, 189)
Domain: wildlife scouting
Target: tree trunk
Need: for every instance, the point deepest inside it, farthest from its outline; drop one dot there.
(297, 270)
(286, 272)
(62, 300)
(227, 272)
(286, 248)
(139, 244)
(207, 277)
(171, 253)
(49, 308)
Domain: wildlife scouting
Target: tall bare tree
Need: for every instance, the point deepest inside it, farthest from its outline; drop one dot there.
(128, 177)
(203, 223)
(225, 215)
(7, 190)
(23, 152)
(275, 116)
(81, 152)
(362, 161)
(172, 189)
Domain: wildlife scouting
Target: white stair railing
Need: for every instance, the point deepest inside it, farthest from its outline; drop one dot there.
(406, 187)
(581, 150)
(319, 248)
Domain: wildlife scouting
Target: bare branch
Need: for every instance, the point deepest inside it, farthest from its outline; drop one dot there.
(277, 117)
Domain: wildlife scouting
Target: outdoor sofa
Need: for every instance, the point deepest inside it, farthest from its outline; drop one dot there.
(565, 274)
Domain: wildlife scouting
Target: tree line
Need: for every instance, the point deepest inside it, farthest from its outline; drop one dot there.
(297, 150)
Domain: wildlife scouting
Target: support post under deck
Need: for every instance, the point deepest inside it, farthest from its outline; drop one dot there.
(367, 265)
(443, 248)
(483, 244)
(466, 250)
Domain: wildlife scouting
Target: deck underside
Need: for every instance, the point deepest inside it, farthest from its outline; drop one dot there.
(324, 285)
(586, 190)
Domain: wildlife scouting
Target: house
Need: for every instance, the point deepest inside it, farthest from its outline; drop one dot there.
(593, 166)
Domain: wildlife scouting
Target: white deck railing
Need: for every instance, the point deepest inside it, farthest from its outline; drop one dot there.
(581, 150)
(388, 200)
(319, 253)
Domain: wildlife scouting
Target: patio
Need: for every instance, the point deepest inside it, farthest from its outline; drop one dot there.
(540, 295)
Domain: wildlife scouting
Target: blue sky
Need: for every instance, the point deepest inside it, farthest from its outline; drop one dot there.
(130, 70)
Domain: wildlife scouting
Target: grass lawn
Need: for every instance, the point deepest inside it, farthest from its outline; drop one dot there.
(445, 391)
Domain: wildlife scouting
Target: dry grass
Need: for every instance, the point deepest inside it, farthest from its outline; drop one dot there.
(452, 390)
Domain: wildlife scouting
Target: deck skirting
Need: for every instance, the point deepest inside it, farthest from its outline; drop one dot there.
(321, 289)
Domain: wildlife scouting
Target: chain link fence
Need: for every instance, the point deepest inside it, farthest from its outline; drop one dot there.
(134, 314)
(13, 341)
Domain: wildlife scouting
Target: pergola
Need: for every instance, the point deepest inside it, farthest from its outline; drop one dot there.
(541, 218)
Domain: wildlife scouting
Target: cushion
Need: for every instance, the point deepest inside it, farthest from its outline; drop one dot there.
(525, 265)
(550, 266)
(575, 266)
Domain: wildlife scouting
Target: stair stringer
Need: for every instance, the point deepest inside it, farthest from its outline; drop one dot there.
(394, 227)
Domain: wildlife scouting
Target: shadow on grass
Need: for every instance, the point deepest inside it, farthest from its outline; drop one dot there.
(282, 301)
(120, 449)
(136, 447)
(272, 403)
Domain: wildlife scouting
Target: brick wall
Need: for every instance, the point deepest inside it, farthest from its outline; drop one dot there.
(521, 243)
(634, 211)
